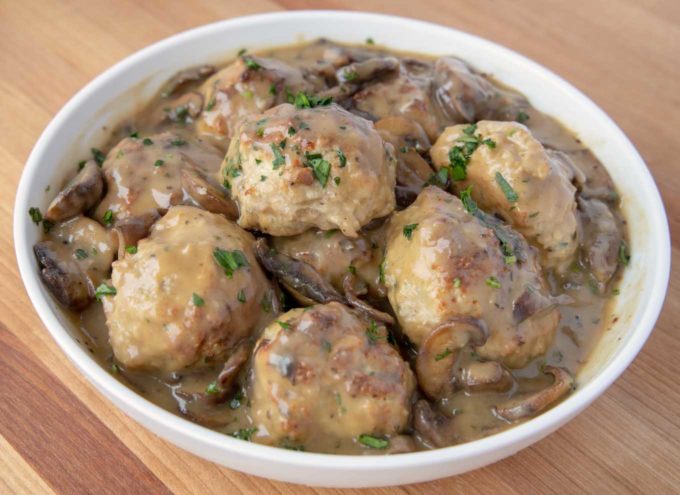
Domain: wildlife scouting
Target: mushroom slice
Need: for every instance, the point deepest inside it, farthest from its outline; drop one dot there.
(353, 298)
(602, 238)
(531, 405)
(62, 275)
(433, 427)
(80, 194)
(238, 358)
(207, 193)
(187, 75)
(132, 229)
(361, 72)
(485, 376)
(189, 105)
(438, 354)
(296, 275)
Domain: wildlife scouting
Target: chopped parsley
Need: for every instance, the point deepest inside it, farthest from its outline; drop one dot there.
(507, 189)
(212, 388)
(321, 167)
(469, 203)
(98, 156)
(381, 272)
(178, 142)
(456, 282)
(241, 52)
(35, 215)
(251, 64)
(341, 157)
(244, 434)
(230, 260)
(273, 90)
(408, 230)
(283, 324)
(373, 332)
(278, 157)
(104, 289)
(447, 352)
(330, 233)
(197, 300)
(336, 180)
(134, 135)
(241, 296)
(370, 41)
(493, 282)
(459, 155)
(81, 165)
(131, 249)
(374, 442)
(303, 100)
(147, 141)
(80, 254)
(522, 117)
(107, 218)
(291, 131)
(158, 163)
(350, 75)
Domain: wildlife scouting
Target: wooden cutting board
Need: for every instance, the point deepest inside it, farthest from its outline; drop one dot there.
(57, 434)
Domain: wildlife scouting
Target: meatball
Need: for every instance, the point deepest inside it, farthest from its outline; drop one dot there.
(442, 264)
(326, 372)
(334, 255)
(143, 178)
(515, 177)
(292, 169)
(189, 295)
(248, 85)
(405, 94)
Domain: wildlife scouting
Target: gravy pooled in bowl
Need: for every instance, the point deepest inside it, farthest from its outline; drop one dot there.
(339, 249)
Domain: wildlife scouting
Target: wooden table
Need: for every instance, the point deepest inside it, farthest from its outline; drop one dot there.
(57, 434)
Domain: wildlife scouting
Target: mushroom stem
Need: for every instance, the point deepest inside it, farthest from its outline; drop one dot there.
(353, 299)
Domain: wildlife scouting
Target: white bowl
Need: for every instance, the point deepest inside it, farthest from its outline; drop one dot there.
(115, 93)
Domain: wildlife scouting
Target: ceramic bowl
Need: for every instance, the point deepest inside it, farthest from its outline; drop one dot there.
(83, 123)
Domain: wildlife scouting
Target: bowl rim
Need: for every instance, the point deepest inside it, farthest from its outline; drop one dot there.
(518, 435)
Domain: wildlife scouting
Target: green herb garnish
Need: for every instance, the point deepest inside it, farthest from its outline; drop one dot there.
(443, 355)
(624, 254)
(131, 249)
(279, 160)
(373, 332)
(147, 142)
(244, 434)
(80, 254)
(104, 289)
(374, 442)
(251, 64)
(283, 324)
(408, 230)
(493, 282)
(158, 163)
(212, 388)
(241, 296)
(321, 167)
(197, 300)
(35, 215)
(98, 156)
(107, 218)
(507, 189)
(522, 117)
(459, 155)
(230, 261)
(341, 157)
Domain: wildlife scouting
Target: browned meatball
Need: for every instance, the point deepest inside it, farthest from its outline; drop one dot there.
(513, 175)
(442, 263)
(325, 372)
(292, 169)
(191, 292)
(248, 85)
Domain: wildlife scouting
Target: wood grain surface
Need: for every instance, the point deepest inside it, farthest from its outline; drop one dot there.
(58, 435)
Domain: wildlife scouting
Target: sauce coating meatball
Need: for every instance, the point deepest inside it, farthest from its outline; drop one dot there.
(442, 263)
(326, 372)
(248, 85)
(292, 169)
(515, 177)
(191, 292)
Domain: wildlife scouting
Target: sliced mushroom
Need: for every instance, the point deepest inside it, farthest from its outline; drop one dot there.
(485, 376)
(531, 405)
(207, 193)
(63, 276)
(409, 141)
(530, 303)
(434, 428)
(234, 364)
(401, 444)
(361, 72)
(189, 105)
(602, 238)
(132, 229)
(187, 75)
(296, 275)
(80, 194)
(352, 296)
(438, 354)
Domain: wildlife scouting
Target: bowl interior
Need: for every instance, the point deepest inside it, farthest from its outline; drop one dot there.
(86, 120)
